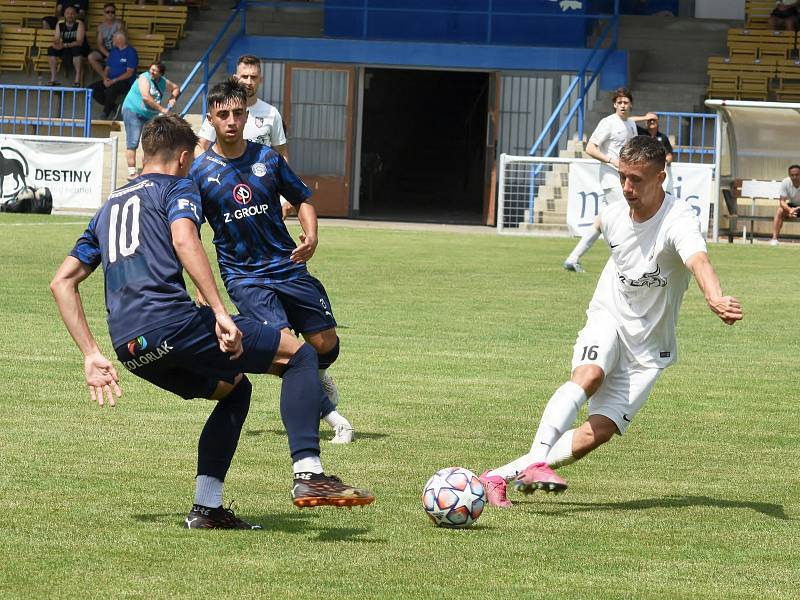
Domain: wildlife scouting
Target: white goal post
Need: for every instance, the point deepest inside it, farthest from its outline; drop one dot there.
(537, 194)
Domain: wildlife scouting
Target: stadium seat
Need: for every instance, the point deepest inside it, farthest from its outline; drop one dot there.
(37, 10)
(166, 20)
(170, 20)
(757, 13)
(13, 12)
(44, 39)
(16, 44)
(788, 74)
(149, 47)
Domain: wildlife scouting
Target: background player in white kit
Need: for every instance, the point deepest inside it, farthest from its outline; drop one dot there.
(629, 337)
(264, 123)
(607, 140)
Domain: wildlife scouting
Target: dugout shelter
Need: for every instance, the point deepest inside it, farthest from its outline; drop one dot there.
(755, 141)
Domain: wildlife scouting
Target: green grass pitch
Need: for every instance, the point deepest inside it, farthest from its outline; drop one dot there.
(451, 345)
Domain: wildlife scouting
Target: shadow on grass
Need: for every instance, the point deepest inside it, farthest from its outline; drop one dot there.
(360, 435)
(765, 508)
(301, 523)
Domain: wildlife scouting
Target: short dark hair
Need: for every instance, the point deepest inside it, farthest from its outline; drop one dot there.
(644, 149)
(109, 5)
(167, 135)
(621, 92)
(162, 68)
(249, 59)
(227, 91)
(793, 167)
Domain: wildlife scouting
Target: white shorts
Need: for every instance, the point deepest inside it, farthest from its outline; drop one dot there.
(626, 385)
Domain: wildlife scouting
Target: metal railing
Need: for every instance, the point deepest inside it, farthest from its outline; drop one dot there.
(693, 134)
(576, 107)
(204, 69)
(45, 110)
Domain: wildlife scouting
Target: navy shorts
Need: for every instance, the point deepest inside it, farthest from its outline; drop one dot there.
(301, 304)
(184, 358)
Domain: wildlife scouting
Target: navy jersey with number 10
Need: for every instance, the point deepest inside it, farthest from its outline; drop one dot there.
(241, 201)
(130, 235)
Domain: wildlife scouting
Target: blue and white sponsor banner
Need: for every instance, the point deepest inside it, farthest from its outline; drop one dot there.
(72, 168)
(689, 182)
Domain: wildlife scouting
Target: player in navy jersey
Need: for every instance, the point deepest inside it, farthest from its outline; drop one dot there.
(144, 236)
(265, 273)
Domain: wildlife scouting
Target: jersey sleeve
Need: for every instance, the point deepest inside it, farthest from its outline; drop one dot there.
(290, 186)
(182, 201)
(785, 192)
(207, 132)
(600, 133)
(685, 235)
(87, 248)
(278, 134)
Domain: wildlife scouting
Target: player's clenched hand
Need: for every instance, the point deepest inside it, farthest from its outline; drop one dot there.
(102, 379)
(304, 252)
(229, 336)
(726, 308)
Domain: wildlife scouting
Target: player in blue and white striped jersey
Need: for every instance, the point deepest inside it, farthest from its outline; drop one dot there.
(264, 271)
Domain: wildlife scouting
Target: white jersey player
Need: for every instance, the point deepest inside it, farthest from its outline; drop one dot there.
(264, 123)
(605, 144)
(629, 337)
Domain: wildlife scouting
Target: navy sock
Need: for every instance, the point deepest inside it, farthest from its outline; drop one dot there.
(220, 435)
(301, 403)
(326, 359)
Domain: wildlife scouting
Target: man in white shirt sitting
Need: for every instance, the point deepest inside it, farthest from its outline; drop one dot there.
(789, 202)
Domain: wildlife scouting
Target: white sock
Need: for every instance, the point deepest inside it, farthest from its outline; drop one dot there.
(334, 419)
(559, 414)
(512, 469)
(310, 464)
(561, 453)
(131, 170)
(208, 491)
(586, 242)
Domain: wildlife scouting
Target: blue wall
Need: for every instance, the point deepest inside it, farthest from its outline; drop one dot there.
(429, 55)
(524, 22)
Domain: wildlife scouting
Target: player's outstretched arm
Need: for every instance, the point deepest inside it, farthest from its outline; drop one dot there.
(101, 376)
(726, 308)
(307, 215)
(193, 257)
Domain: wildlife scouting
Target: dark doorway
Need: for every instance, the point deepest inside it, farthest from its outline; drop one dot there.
(423, 145)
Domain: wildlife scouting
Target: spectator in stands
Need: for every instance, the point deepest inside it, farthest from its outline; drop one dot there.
(651, 129)
(105, 36)
(142, 103)
(118, 74)
(69, 44)
(789, 202)
(784, 16)
(81, 7)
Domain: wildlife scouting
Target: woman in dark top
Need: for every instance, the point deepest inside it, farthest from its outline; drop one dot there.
(69, 43)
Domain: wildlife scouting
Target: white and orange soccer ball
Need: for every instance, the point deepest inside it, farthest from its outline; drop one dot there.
(454, 497)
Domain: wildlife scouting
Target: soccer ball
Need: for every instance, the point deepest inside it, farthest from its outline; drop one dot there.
(454, 497)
